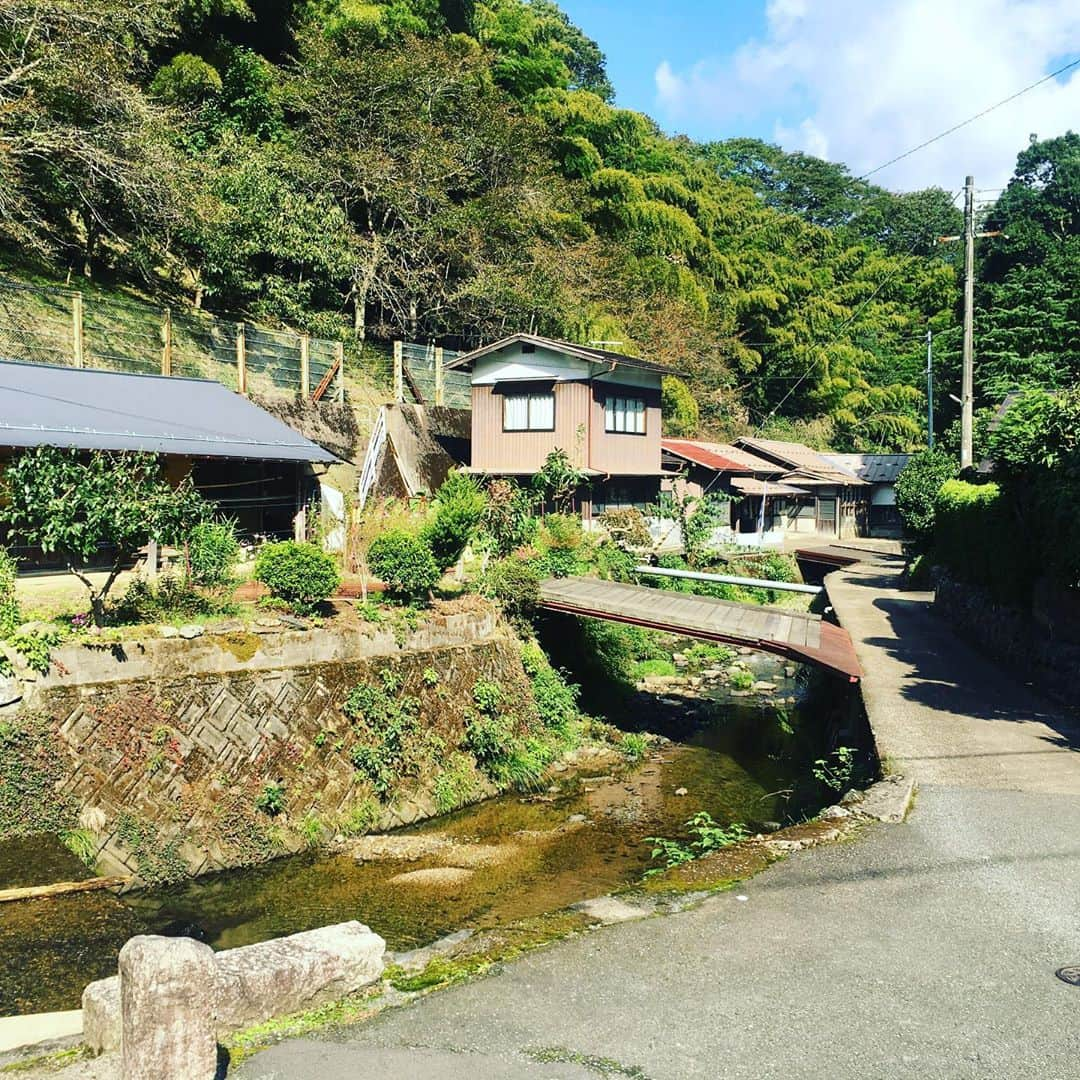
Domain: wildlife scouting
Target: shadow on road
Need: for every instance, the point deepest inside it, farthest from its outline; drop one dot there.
(951, 677)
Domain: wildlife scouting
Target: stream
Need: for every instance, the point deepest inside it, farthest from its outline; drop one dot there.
(584, 836)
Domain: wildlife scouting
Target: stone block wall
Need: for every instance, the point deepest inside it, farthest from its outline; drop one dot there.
(1012, 636)
(169, 752)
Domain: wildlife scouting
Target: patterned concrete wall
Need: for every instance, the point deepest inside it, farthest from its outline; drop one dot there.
(168, 772)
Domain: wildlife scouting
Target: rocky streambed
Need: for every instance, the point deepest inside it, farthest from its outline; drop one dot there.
(740, 758)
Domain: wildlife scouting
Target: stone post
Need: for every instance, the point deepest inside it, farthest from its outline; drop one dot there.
(167, 995)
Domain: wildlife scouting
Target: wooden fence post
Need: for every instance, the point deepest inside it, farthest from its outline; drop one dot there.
(339, 385)
(166, 343)
(440, 392)
(305, 365)
(399, 373)
(241, 360)
(77, 330)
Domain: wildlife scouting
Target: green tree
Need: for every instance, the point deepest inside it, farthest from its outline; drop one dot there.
(96, 507)
(681, 413)
(917, 487)
(1028, 300)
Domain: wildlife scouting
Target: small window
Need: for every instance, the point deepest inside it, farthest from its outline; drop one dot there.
(624, 415)
(529, 412)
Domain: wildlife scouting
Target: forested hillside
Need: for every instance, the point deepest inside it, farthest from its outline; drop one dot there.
(456, 171)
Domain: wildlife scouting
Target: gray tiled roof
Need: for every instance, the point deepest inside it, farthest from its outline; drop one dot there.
(109, 410)
(873, 468)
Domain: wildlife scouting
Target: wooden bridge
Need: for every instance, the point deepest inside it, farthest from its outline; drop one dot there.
(796, 635)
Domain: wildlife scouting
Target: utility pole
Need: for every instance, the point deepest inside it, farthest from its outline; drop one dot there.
(967, 381)
(967, 378)
(929, 388)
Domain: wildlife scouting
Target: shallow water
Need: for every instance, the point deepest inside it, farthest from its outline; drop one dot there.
(736, 767)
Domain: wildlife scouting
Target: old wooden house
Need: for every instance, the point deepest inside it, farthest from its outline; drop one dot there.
(532, 395)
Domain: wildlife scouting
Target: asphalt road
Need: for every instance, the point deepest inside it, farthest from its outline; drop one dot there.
(926, 949)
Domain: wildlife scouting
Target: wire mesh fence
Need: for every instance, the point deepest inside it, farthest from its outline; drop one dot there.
(49, 325)
(421, 363)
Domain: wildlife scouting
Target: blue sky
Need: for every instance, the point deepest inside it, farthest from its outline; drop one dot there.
(857, 81)
(638, 36)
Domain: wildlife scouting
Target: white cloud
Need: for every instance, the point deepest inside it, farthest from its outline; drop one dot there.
(861, 82)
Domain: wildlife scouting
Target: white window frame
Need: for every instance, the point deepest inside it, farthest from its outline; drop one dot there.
(539, 410)
(625, 415)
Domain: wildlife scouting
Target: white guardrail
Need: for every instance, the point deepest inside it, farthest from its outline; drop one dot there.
(728, 579)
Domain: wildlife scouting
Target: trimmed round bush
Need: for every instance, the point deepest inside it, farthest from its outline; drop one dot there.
(403, 562)
(213, 550)
(302, 575)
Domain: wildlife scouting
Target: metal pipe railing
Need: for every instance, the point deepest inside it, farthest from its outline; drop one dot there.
(729, 579)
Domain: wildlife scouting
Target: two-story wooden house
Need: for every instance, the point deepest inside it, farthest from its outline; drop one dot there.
(532, 395)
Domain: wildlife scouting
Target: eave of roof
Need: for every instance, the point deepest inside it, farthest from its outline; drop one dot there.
(583, 352)
(751, 485)
(805, 464)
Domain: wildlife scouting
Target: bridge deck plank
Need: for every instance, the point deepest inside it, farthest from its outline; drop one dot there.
(798, 635)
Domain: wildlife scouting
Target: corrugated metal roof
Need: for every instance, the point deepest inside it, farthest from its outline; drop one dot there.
(110, 410)
(720, 456)
(873, 468)
(807, 464)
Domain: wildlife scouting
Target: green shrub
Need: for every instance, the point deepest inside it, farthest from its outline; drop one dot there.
(917, 487)
(555, 698)
(487, 696)
(515, 584)
(561, 532)
(634, 745)
(706, 654)
(508, 518)
(271, 800)
(740, 679)
(9, 603)
(361, 818)
(627, 527)
(459, 508)
(614, 563)
(489, 738)
(387, 724)
(404, 563)
(36, 648)
(968, 534)
(457, 784)
(706, 836)
(164, 598)
(213, 550)
(300, 574)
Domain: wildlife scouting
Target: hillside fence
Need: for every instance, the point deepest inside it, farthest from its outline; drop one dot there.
(420, 375)
(46, 325)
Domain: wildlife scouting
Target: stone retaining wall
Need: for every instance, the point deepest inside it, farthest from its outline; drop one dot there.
(1011, 636)
(167, 747)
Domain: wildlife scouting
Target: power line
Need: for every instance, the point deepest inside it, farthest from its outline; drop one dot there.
(972, 119)
(836, 336)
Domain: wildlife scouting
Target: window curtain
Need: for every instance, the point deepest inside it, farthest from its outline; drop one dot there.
(516, 412)
(541, 411)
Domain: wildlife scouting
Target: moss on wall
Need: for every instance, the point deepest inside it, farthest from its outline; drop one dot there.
(32, 771)
(203, 771)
